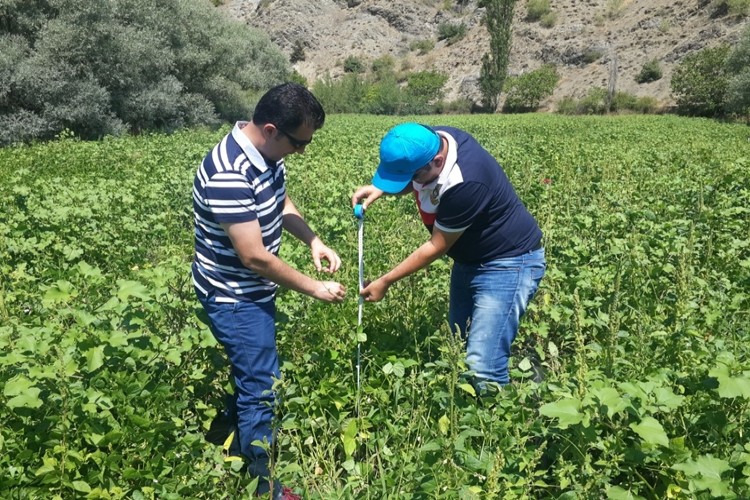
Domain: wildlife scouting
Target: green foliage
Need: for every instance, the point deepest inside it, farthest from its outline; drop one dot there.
(525, 92)
(101, 68)
(380, 93)
(614, 8)
(341, 96)
(451, 32)
(383, 67)
(461, 106)
(624, 101)
(296, 77)
(549, 19)
(733, 7)
(298, 52)
(353, 64)
(426, 85)
(650, 72)
(498, 19)
(422, 46)
(699, 82)
(595, 103)
(108, 377)
(536, 9)
(738, 69)
(591, 55)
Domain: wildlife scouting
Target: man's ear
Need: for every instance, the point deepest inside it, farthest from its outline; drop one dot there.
(268, 130)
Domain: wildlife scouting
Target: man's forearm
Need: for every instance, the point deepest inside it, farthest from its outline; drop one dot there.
(419, 259)
(273, 268)
(297, 227)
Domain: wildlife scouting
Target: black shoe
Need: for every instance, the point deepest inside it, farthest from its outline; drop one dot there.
(221, 427)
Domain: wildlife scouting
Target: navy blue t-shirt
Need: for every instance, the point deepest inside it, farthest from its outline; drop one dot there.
(473, 194)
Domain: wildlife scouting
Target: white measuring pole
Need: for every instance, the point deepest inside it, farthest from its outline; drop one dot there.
(359, 213)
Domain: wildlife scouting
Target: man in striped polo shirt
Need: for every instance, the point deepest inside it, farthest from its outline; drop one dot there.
(241, 206)
(475, 217)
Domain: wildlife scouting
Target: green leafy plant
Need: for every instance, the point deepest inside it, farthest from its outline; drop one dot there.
(422, 46)
(109, 377)
(451, 32)
(527, 91)
(650, 72)
(536, 9)
(352, 64)
(699, 82)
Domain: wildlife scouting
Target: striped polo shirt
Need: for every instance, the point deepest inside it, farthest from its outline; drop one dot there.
(234, 183)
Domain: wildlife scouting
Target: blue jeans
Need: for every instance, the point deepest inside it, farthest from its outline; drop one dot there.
(486, 304)
(247, 331)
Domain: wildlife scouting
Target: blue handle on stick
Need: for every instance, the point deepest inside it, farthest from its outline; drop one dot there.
(359, 212)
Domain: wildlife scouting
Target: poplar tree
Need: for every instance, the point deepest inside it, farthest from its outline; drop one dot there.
(498, 19)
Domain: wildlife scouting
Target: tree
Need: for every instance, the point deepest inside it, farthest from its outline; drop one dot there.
(526, 92)
(699, 83)
(99, 68)
(498, 19)
(738, 69)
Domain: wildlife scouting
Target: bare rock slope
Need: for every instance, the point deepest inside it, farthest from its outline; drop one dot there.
(586, 36)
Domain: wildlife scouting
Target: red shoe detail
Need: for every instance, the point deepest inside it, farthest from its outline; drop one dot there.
(288, 494)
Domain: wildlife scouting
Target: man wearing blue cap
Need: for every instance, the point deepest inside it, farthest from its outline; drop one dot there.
(474, 216)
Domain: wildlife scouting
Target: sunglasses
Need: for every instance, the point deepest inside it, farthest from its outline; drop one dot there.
(296, 143)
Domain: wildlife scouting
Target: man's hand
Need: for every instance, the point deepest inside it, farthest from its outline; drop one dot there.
(330, 291)
(369, 193)
(374, 291)
(320, 252)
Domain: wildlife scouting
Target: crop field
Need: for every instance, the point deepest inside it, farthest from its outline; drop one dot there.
(109, 377)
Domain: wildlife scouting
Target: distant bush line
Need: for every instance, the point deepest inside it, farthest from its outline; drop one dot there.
(128, 66)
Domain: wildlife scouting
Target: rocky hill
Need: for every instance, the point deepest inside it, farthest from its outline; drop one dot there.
(585, 39)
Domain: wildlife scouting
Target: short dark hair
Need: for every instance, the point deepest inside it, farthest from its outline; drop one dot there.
(288, 106)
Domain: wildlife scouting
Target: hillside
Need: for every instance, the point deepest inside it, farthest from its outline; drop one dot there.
(582, 42)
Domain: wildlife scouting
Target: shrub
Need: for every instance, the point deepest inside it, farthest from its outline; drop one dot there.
(422, 46)
(738, 69)
(591, 55)
(699, 82)
(526, 92)
(549, 19)
(353, 64)
(536, 9)
(383, 97)
(342, 96)
(650, 72)
(298, 52)
(738, 94)
(297, 77)
(646, 105)
(459, 106)
(99, 68)
(594, 103)
(426, 85)
(451, 32)
(567, 106)
(733, 7)
(614, 8)
(383, 67)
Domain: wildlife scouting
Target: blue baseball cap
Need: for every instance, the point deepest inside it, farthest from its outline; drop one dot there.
(405, 149)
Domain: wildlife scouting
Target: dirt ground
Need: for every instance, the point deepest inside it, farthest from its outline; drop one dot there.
(589, 41)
